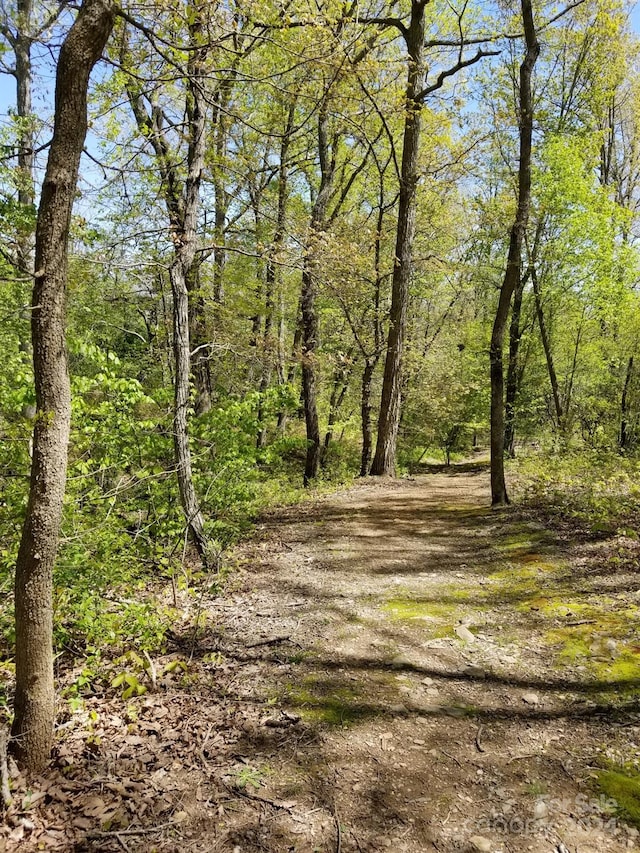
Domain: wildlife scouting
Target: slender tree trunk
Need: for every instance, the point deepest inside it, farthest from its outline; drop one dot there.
(199, 341)
(515, 335)
(625, 437)
(365, 410)
(185, 246)
(499, 494)
(221, 196)
(338, 393)
(182, 388)
(293, 362)
(568, 395)
(183, 208)
(309, 373)
(548, 353)
(35, 696)
(310, 325)
(271, 347)
(384, 462)
(23, 74)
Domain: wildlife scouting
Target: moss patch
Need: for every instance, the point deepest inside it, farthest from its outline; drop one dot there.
(405, 609)
(328, 702)
(624, 788)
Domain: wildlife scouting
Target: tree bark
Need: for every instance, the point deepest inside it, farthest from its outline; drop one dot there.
(515, 335)
(201, 359)
(35, 696)
(625, 438)
(499, 494)
(271, 274)
(341, 377)
(365, 413)
(548, 353)
(384, 462)
(185, 246)
(310, 325)
(22, 49)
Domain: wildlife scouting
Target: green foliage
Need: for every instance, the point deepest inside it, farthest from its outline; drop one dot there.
(599, 490)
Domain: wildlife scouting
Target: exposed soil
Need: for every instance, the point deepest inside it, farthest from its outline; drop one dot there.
(393, 667)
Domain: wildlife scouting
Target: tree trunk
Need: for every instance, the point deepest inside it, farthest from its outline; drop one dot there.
(309, 372)
(22, 50)
(35, 696)
(341, 378)
(271, 274)
(384, 462)
(548, 354)
(625, 437)
(185, 244)
(515, 334)
(499, 494)
(183, 208)
(201, 359)
(310, 326)
(365, 409)
(295, 355)
(182, 388)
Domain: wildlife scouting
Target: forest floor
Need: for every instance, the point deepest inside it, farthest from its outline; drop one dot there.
(392, 667)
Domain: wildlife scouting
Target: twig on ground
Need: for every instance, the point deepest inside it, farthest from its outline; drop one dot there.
(122, 843)
(99, 833)
(268, 641)
(336, 820)
(152, 670)
(256, 799)
(452, 757)
(479, 746)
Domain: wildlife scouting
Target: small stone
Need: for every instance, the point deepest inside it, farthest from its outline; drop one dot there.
(481, 844)
(432, 691)
(398, 709)
(474, 672)
(465, 634)
(455, 711)
(427, 682)
(531, 699)
(540, 810)
(400, 662)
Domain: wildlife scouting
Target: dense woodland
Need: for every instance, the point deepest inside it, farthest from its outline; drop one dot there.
(309, 241)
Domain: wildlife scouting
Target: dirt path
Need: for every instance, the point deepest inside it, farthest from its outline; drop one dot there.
(406, 627)
(395, 667)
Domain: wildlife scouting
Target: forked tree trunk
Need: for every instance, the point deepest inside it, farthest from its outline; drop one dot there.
(499, 494)
(35, 696)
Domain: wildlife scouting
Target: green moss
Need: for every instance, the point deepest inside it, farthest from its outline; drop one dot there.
(572, 643)
(626, 667)
(326, 702)
(624, 788)
(404, 609)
